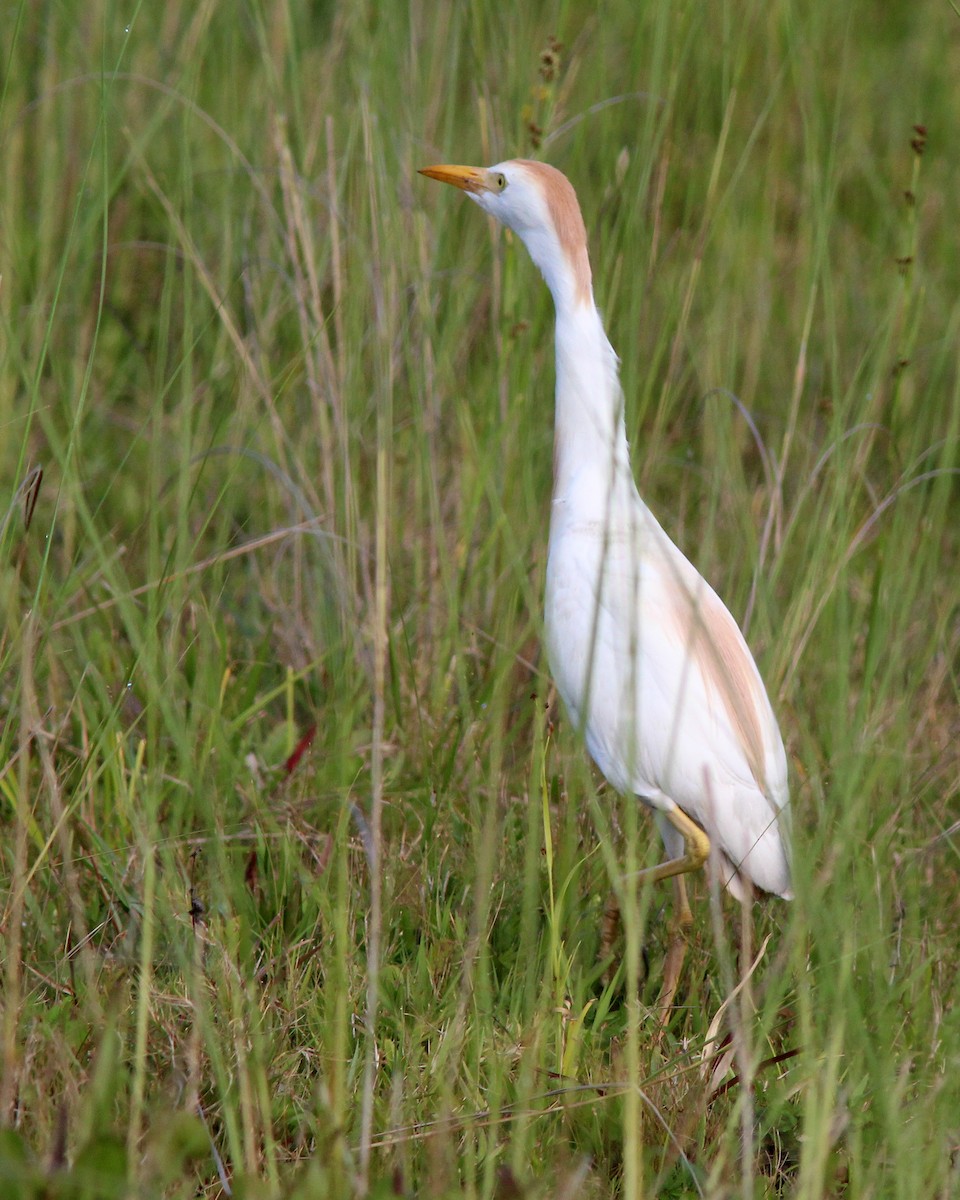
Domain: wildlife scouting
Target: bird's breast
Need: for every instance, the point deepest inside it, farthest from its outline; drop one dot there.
(592, 633)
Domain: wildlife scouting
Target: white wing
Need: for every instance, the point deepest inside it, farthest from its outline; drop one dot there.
(657, 674)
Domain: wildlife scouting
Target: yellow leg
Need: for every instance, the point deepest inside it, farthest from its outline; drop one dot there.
(696, 846)
(684, 915)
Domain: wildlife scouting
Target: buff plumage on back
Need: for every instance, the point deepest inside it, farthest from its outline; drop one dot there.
(711, 636)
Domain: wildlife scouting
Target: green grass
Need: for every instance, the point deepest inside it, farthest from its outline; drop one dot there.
(292, 409)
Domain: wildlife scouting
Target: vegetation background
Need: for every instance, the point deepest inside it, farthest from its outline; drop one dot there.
(302, 868)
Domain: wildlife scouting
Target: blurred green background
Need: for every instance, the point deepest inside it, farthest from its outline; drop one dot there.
(302, 865)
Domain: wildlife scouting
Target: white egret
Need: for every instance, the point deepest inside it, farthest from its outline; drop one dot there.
(650, 664)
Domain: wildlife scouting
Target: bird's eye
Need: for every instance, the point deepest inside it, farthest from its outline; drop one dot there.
(500, 180)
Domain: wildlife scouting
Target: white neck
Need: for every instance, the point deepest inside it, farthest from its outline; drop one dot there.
(590, 440)
(589, 430)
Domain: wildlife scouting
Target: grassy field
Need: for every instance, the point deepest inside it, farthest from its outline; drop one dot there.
(303, 867)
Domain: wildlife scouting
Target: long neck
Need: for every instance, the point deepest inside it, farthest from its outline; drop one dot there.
(590, 440)
(589, 431)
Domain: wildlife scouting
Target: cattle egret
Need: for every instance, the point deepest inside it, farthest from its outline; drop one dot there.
(650, 664)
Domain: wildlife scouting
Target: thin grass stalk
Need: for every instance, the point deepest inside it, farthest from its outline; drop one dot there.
(148, 855)
(380, 661)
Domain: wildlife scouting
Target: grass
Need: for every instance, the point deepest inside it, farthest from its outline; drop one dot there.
(302, 866)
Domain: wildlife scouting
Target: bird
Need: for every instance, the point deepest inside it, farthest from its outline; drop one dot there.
(652, 668)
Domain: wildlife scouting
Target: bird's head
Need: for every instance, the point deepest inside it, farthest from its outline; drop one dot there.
(539, 204)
